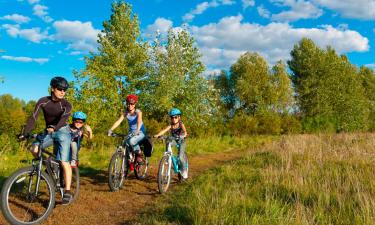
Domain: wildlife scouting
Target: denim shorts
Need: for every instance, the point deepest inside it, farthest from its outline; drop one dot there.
(60, 140)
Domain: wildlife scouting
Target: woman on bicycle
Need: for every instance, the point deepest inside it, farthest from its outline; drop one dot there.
(78, 129)
(136, 126)
(178, 130)
(56, 110)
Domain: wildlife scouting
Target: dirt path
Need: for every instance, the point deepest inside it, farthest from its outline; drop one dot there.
(97, 205)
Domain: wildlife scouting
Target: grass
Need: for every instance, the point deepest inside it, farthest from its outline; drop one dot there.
(303, 179)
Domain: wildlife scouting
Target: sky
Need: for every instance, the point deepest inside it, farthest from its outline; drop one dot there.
(40, 39)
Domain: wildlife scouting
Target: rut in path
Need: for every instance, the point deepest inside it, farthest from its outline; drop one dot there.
(97, 205)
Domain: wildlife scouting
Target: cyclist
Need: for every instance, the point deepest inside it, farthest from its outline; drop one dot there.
(56, 110)
(78, 129)
(136, 126)
(178, 130)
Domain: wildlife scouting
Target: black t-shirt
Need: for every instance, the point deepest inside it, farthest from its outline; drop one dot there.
(56, 113)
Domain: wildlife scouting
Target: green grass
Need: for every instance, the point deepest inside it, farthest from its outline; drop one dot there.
(303, 179)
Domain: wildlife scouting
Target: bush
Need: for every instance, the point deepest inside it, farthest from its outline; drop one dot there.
(268, 123)
(290, 125)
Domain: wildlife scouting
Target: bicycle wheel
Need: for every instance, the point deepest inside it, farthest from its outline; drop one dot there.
(140, 168)
(164, 175)
(74, 188)
(117, 171)
(19, 203)
(180, 178)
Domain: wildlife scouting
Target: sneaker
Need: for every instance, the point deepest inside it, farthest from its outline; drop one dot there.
(67, 198)
(184, 174)
(74, 163)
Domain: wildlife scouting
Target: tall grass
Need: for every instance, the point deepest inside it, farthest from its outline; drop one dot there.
(303, 179)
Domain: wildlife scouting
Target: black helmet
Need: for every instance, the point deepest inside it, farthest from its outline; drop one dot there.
(59, 82)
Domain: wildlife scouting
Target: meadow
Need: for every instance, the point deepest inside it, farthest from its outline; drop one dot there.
(301, 179)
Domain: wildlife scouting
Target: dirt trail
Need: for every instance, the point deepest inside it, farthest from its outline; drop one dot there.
(97, 205)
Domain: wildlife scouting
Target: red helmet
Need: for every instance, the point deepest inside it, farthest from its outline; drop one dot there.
(132, 98)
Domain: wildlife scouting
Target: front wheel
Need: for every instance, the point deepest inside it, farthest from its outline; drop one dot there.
(117, 171)
(21, 203)
(140, 168)
(164, 174)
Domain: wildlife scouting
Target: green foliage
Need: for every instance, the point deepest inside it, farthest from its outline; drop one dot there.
(367, 76)
(176, 81)
(329, 92)
(115, 71)
(290, 124)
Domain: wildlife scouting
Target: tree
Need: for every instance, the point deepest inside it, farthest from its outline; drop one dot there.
(282, 89)
(115, 71)
(367, 76)
(176, 80)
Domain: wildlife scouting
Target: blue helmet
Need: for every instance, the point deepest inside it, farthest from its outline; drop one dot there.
(79, 116)
(174, 112)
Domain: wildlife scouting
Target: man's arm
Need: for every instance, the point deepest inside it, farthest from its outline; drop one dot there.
(32, 119)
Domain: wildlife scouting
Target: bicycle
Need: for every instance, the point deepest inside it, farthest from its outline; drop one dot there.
(167, 162)
(124, 160)
(28, 195)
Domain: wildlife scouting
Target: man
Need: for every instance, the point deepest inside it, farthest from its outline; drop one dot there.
(56, 112)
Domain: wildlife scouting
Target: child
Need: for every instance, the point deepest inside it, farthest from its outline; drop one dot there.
(77, 130)
(136, 126)
(178, 130)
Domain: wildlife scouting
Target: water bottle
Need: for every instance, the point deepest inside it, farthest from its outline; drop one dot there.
(175, 164)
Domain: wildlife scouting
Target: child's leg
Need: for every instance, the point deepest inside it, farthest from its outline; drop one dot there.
(181, 156)
(74, 148)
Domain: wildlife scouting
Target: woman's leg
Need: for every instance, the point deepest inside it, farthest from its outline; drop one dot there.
(135, 140)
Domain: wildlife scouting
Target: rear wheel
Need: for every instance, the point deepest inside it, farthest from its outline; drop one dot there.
(164, 175)
(140, 168)
(117, 171)
(21, 204)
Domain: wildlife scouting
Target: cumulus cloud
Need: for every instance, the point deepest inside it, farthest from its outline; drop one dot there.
(299, 9)
(41, 12)
(81, 36)
(358, 9)
(17, 18)
(247, 3)
(263, 12)
(222, 43)
(25, 59)
(33, 1)
(200, 8)
(33, 34)
(160, 26)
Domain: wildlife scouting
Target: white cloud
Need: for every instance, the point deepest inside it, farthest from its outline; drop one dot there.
(222, 43)
(25, 59)
(160, 26)
(33, 34)
(371, 65)
(33, 1)
(359, 9)
(200, 8)
(80, 36)
(247, 3)
(41, 12)
(16, 18)
(300, 9)
(263, 12)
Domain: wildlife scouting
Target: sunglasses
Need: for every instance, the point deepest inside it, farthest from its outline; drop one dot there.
(78, 121)
(61, 89)
(174, 117)
(130, 103)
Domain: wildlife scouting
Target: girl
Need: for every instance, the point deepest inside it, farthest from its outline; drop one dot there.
(178, 130)
(136, 127)
(78, 129)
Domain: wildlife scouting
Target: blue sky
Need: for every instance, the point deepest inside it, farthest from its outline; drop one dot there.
(43, 38)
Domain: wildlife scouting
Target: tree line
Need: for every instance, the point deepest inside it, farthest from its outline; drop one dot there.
(317, 90)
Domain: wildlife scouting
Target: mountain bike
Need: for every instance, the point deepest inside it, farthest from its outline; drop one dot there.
(167, 162)
(125, 160)
(28, 195)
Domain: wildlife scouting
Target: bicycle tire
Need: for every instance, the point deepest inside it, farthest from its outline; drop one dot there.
(164, 177)
(117, 171)
(12, 206)
(140, 170)
(75, 185)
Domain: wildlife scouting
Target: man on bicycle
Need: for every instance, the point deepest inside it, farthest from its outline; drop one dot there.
(56, 112)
